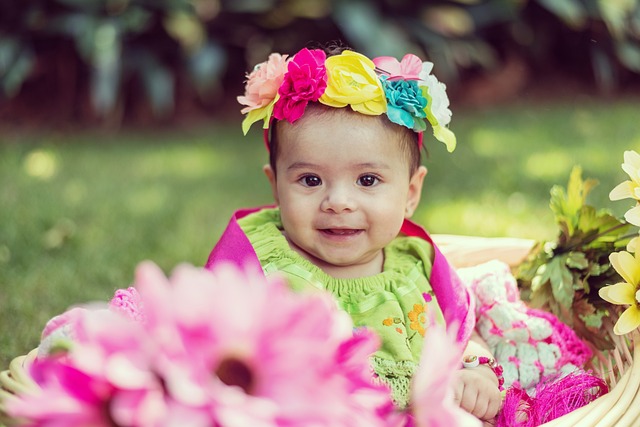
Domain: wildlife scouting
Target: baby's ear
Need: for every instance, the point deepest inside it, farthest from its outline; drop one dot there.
(415, 191)
(271, 176)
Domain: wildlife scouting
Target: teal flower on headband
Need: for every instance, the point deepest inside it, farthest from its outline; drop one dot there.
(405, 103)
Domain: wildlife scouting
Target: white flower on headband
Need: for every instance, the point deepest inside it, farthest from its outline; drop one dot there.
(438, 112)
(438, 93)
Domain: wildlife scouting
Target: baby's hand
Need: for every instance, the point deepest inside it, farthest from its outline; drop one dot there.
(476, 391)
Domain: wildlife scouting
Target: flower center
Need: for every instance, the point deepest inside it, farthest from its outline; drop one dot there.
(234, 372)
(638, 296)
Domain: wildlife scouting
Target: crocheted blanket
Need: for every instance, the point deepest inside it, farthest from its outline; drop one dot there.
(530, 344)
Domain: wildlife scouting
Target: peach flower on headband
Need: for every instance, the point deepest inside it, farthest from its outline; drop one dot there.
(352, 80)
(261, 91)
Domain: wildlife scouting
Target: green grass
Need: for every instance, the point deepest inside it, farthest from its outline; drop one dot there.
(78, 212)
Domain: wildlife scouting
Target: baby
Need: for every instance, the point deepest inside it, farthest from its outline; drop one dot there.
(344, 135)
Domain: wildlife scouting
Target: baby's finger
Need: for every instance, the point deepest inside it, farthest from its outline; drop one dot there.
(494, 406)
(469, 400)
(481, 407)
(458, 389)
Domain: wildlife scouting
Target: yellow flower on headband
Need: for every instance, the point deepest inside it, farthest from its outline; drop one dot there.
(352, 80)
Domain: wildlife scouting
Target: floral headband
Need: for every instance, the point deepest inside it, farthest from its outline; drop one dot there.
(405, 91)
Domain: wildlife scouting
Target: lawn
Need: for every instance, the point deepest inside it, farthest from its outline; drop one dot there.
(79, 211)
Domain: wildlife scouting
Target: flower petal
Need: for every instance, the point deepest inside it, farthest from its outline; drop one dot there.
(353, 81)
(620, 293)
(633, 216)
(411, 66)
(633, 244)
(444, 135)
(628, 321)
(624, 190)
(388, 65)
(400, 117)
(631, 165)
(263, 113)
(627, 266)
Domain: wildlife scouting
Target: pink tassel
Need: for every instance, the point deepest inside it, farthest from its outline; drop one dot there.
(553, 399)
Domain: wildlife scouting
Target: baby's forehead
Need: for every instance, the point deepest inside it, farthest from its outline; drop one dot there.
(321, 123)
(320, 118)
(335, 136)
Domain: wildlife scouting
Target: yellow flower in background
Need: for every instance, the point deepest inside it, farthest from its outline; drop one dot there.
(352, 80)
(625, 293)
(629, 189)
(633, 244)
(633, 216)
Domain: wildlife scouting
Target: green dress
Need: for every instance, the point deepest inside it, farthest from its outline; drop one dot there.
(395, 303)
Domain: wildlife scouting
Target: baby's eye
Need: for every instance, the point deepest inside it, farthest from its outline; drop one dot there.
(368, 180)
(310, 181)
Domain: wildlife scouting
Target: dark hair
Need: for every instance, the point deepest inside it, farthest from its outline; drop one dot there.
(408, 138)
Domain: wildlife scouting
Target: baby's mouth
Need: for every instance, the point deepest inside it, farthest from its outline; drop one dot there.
(341, 231)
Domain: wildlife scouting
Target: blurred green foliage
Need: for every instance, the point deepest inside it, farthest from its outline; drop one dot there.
(113, 51)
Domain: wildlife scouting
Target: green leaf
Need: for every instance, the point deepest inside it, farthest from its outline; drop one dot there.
(597, 269)
(569, 206)
(577, 260)
(594, 320)
(541, 278)
(561, 281)
(578, 190)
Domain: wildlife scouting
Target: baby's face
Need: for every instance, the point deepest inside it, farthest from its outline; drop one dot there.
(344, 188)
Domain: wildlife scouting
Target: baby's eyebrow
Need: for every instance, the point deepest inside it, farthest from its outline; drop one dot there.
(373, 165)
(302, 165)
(364, 165)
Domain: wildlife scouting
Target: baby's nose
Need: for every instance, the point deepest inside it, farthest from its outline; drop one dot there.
(338, 200)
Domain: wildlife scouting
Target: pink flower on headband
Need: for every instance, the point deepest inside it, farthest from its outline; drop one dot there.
(261, 91)
(306, 80)
(407, 69)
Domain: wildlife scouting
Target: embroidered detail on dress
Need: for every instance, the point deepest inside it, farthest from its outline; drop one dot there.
(391, 321)
(418, 318)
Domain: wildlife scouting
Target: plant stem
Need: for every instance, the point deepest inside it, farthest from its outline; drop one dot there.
(594, 237)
